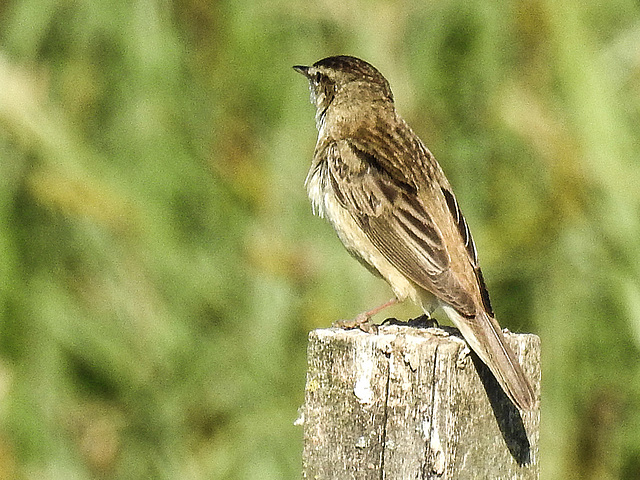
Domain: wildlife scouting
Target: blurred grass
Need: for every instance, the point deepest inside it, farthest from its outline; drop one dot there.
(160, 266)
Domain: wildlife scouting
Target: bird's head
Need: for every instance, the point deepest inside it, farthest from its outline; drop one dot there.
(346, 79)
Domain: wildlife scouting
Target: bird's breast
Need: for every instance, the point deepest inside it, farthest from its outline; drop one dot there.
(326, 205)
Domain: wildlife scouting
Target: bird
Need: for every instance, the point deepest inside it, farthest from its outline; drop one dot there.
(394, 210)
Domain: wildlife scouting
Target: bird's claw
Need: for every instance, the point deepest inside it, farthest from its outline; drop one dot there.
(361, 321)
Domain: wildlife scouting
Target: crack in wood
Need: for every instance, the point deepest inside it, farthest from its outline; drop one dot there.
(385, 416)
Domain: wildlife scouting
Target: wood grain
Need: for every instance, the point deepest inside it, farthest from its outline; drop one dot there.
(411, 403)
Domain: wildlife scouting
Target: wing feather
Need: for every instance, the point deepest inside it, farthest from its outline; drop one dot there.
(393, 215)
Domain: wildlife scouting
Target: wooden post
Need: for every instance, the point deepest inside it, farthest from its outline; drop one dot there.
(410, 403)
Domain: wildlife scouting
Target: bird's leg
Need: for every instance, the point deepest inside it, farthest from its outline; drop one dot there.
(379, 308)
(363, 320)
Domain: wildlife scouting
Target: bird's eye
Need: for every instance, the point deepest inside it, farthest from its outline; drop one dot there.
(317, 77)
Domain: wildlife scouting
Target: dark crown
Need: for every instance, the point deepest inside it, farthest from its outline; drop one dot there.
(355, 69)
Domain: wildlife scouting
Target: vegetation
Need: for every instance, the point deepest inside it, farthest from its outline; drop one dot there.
(160, 266)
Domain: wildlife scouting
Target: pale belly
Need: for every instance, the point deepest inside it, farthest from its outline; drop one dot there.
(359, 245)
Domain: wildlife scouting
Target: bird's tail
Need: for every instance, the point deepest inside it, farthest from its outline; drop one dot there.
(484, 336)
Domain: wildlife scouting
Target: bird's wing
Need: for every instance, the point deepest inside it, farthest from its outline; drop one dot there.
(385, 202)
(413, 219)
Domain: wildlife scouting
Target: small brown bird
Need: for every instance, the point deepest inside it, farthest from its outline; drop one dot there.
(394, 210)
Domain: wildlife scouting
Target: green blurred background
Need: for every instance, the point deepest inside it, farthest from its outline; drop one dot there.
(159, 263)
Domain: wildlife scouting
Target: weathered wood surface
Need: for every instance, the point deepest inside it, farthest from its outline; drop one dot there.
(410, 403)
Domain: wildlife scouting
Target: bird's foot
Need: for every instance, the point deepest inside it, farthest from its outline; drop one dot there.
(423, 321)
(361, 321)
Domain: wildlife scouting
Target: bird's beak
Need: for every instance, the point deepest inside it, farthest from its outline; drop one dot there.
(302, 69)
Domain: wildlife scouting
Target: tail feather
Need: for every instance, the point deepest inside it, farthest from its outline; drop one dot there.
(484, 336)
